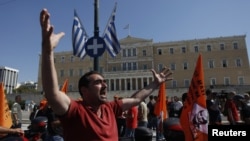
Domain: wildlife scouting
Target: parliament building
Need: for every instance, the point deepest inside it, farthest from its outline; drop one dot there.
(225, 64)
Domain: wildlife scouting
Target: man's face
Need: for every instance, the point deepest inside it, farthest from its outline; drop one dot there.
(96, 91)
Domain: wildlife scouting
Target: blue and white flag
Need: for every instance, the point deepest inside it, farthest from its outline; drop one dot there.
(110, 37)
(79, 37)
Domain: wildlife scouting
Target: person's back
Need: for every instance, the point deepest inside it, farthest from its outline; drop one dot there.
(152, 119)
(16, 112)
(213, 109)
(175, 107)
(131, 121)
(143, 114)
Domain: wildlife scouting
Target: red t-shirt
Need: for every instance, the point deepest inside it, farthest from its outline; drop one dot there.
(231, 105)
(82, 124)
(131, 120)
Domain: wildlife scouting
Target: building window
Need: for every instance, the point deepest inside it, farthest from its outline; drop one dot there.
(238, 62)
(222, 46)
(129, 52)
(224, 63)
(145, 67)
(144, 53)
(134, 66)
(226, 81)
(183, 49)
(159, 51)
(160, 67)
(212, 81)
(171, 50)
(124, 66)
(71, 72)
(235, 45)
(80, 72)
(186, 83)
(70, 87)
(61, 73)
(211, 64)
(124, 53)
(72, 59)
(113, 68)
(209, 48)
(62, 59)
(240, 80)
(134, 51)
(185, 65)
(172, 66)
(196, 49)
(174, 83)
(129, 66)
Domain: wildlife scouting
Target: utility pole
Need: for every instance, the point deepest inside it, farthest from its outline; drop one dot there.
(96, 31)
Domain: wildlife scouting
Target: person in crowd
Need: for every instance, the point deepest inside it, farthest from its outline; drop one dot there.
(213, 109)
(244, 108)
(183, 99)
(34, 112)
(131, 121)
(121, 122)
(93, 118)
(143, 133)
(16, 112)
(54, 128)
(143, 114)
(152, 120)
(174, 107)
(230, 109)
(173, 130)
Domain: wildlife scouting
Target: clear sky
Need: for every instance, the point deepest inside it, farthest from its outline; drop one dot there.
(160, 20)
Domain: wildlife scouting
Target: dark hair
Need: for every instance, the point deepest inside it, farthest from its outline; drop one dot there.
(143, 134)
(184, 97)
(172, 129)
(84, 80)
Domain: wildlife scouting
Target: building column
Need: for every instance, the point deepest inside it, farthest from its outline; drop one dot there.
(120, 84)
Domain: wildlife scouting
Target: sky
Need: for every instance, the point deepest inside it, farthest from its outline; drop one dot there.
(160, 20)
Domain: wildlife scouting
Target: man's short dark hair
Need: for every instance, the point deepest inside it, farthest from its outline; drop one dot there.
(143, 134)
(84, 80)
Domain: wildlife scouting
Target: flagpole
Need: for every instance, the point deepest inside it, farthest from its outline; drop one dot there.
(128, 30)
(96, 31)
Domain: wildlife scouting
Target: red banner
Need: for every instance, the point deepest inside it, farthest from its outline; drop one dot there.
(194, 116)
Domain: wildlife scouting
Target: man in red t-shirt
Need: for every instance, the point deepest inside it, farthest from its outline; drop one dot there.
(94, 117)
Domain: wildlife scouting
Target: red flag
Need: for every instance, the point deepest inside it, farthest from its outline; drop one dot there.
(65, 86)
(194, 116)
(160, 105)
(5, 115)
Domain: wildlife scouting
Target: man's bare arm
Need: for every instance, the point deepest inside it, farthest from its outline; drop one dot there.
(142, 94)
(57, 100)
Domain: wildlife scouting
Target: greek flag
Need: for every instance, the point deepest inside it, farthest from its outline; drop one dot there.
(79, 37)
(110, 37)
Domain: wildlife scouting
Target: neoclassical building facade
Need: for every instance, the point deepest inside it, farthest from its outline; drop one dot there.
(225, 63)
